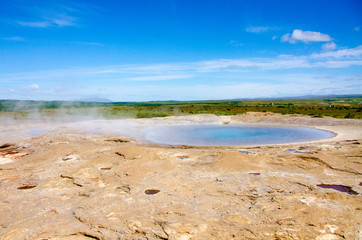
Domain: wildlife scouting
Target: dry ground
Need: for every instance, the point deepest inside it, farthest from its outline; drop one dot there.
(67, 184)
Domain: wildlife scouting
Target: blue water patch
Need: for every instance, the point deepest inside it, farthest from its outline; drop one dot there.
(36, 132)
(231, 135)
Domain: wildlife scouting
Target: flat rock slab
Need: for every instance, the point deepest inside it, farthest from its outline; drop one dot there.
(81, 186)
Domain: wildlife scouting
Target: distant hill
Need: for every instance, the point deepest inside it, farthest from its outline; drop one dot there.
(94, 99)
(305, 97)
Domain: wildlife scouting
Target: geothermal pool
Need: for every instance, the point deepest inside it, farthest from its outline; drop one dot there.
(230, 135)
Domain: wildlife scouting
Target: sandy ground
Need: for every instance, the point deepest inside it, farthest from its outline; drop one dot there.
(86, 180)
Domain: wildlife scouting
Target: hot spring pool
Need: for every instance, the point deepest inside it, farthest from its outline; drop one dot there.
(230, 135)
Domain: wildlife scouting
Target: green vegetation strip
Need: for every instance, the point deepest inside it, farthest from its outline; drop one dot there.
(339, 107)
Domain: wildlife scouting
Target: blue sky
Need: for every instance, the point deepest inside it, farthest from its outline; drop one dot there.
(143, 50)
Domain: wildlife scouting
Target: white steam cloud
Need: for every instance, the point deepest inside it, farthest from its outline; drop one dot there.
(305, 36)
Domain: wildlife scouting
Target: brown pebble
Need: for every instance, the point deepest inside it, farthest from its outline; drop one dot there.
(106, 168)
(152, 191)
(27, 186)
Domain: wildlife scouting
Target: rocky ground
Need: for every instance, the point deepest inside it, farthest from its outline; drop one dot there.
(66, 184)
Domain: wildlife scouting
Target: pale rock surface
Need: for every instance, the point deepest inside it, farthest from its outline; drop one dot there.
(73, 185)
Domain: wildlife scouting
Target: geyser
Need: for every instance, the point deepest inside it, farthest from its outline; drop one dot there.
(231, 135)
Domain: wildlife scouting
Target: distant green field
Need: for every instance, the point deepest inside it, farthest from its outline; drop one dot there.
(339, 107)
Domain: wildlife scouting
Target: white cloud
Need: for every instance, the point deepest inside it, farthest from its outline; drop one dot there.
(340, 64)
(285, 37)
(15, 39)
(41, 24)
(88, 43)
(329, 46)
(343, 58)
(357, 28)
(159, 78)
(50, 14)
(236, 43)
(237, 65)
(274, 37)
(291, 85)
(34, 87)
(305, 36)
(344, 53)
(62, 20)
(257, 29)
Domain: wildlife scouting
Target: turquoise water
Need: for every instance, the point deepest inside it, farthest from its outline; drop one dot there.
(36, 132)
(231, 135)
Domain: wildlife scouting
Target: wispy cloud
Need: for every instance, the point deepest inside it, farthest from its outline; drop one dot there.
(331, 59)
(283, 75)
(62, 20)
(343, 58)
(34, 87)
(236, 43)
(31, 87)
(41, 24)
(257, 29)
(245, 87)
(357, 28)
(305, 36)
(87, 43)
(354, 53)
(340, 64)
(48, 14)
(329, 46)
(158, 78)
(235, 65)
(14, 38)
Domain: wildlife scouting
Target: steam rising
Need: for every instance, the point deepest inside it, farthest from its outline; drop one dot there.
(22, 119)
